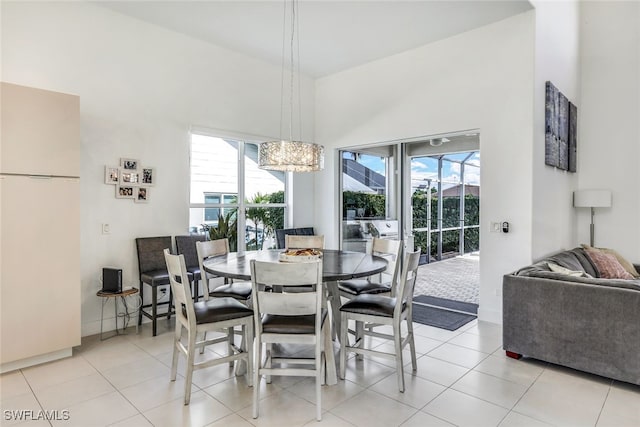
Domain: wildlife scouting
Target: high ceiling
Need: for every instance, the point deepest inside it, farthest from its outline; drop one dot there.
(334, 35)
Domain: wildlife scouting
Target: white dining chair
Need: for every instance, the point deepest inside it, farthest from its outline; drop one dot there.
(240, 291)
(384, 310)
(291, 318)
(385, 282)
(219, 314)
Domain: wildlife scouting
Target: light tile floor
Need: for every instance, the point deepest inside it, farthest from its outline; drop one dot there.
(463, 379)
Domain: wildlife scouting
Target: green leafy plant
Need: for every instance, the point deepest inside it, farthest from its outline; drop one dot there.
(227, 228)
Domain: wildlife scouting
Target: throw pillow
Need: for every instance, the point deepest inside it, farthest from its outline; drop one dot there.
(560, 269)
(622, 260)
(608, 265)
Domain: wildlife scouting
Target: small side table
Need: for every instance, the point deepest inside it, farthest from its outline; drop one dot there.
(106, 296)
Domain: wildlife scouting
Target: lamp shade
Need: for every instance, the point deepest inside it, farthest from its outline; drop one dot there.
(592, 198)
(291, 156)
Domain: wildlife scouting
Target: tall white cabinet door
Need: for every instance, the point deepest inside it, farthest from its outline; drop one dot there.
(40, 131)
(40, 266)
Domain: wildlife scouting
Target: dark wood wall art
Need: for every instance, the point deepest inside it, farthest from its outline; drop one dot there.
(560, 130)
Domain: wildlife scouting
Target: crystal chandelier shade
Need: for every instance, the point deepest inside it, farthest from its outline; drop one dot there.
(291, 156)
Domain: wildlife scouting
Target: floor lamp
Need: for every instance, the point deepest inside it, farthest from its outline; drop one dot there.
(592, 199)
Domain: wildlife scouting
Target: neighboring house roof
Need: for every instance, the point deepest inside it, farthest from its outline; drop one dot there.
(351, 184)
(469, 189)
(365, 176)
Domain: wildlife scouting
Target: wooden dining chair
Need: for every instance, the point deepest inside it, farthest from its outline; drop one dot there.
(292, 241)
(220, 314)
(290, 318)
(186, 245)
(383, 310)
(228, 288)
(280, 233)
(385, 282)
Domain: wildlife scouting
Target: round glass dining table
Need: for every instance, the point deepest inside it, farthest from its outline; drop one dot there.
(336, 265)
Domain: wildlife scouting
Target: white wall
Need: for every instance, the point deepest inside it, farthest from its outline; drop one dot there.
(609, 122)
(141, 88)
(557, 60)
(482, 79)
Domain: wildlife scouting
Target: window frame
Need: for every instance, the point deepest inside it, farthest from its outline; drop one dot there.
(241, 205)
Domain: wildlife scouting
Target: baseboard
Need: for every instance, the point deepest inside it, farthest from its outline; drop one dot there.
(35, 360)
(492, 316)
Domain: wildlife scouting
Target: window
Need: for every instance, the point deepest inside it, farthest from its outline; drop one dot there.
(225, 181)
(211, 214)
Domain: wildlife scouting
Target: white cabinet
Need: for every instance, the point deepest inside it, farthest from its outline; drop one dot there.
(39, 226)
(40, 132)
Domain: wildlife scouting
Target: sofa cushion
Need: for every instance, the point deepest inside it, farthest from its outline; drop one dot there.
(622, 260)
(559, 269)
(608, 265)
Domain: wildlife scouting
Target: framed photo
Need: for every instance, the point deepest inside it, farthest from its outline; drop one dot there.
(129, 164)
(111, 175)
(125, 192)
(148, 176)
(129, 178)
(142, 195)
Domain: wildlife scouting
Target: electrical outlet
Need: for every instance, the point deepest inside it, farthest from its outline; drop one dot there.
(106, 229)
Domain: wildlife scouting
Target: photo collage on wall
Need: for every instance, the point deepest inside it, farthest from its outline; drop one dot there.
(561, 127)
(131, 180)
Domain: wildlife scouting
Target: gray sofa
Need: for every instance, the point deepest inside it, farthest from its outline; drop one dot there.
(589, 324)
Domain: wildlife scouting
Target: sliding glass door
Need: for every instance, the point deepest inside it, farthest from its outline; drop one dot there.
(369, 196)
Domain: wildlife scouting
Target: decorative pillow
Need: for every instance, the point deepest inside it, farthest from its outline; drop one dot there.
(560, 269)
(608, 265)
(622, 260)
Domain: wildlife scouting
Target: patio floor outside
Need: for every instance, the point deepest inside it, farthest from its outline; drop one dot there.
(456, 278)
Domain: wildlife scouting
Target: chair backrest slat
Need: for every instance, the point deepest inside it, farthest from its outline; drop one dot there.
(292, 241)
(390, 250)
(407, 282)
(179, 281)
(286, 275)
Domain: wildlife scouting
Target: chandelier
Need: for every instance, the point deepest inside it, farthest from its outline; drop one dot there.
(290, 155)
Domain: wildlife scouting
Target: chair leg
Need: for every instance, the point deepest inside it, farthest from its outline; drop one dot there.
(141, 303)
(247, 346)
(319, 363)
(344, 343)
(230, 340)
(256, 376)
(329, 358)
(360, 338)
(241, 365)
(268, 361)
(204, 338)
(189, 374)
(154, 309)
(397, 340)
(412, 344)
(174, 360)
